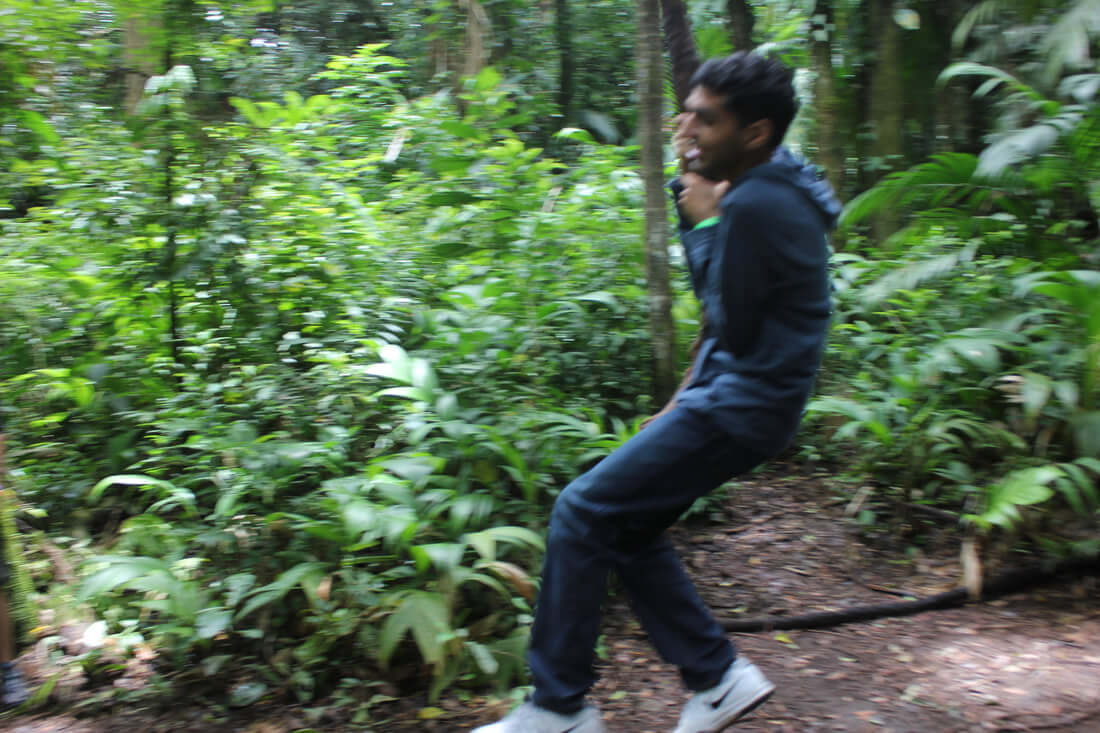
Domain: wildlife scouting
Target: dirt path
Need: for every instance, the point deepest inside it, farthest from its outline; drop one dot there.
(1029, 662)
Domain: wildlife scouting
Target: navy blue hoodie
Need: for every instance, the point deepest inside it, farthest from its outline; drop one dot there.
(761, 276)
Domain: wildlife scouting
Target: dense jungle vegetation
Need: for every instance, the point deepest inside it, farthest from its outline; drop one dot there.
(308, 310)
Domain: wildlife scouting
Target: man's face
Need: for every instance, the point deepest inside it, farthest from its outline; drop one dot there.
(718, 146)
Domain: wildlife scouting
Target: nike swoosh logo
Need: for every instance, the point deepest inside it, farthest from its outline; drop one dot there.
(718, 703)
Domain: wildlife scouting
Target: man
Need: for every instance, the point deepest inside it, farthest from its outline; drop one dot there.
(753, 221)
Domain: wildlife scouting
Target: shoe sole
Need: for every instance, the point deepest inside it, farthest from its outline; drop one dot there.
(757, 702)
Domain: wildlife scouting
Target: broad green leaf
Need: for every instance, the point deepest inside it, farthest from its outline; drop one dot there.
(443, 556)
(422, 376)
(517, 536)
(602, 296)
(484, 658)
(576, 133)
(122, 571)
(979, 352)
(413, 468)
(484, 543)
(360, 516)
(1025, 487)
(126, 480)
(1035, 392)
(209, 622)
(237, 585)
(423, 614)
(461, 129)
(306, 574)
(488, 79)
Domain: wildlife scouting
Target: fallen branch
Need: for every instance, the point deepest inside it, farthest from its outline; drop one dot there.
(933, 511)
(1062, 722)
(1011, 582)
(888, 591)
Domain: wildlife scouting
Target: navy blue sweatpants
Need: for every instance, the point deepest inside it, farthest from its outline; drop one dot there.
(614, 517)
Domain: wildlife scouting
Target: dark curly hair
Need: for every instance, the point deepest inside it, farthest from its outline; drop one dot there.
(755, 88)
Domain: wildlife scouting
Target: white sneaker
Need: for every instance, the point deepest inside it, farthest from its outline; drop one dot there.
(742, 689)
(529, 718)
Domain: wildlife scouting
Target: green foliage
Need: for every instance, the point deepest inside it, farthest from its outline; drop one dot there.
(21, 607)
(952, 374)
(323, 366)
(965, 373)
(1029, 192)
(317, 338)
(1031, 486)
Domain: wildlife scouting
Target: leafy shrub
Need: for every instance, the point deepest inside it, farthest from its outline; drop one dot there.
(323, 368)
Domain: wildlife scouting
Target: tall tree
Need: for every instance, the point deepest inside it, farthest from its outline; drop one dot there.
(740, 19)
(829, 152)
(139, 59)
(454, 58)
(681, 47)
(651, 76)
(563, 30)
(476, 51)
(886, 100)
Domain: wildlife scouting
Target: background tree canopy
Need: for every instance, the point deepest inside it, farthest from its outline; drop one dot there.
(308, 310)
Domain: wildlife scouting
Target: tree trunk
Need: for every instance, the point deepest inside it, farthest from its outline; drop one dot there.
(138, 55)
(886, 99)
(651, 74)
(958, 122)
(563, 29)
(171, 222)
(741, 21)
(476, 51)
(829, 151)
(460, 45)
(681, 47)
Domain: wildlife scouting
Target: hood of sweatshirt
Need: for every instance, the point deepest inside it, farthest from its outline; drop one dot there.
(803, 175)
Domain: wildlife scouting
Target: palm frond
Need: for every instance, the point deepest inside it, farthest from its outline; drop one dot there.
(983, 12)
(1028, 143)
(909, 276)
(936, 181)
(1081, 87)
(995, 77)
(1067, 44)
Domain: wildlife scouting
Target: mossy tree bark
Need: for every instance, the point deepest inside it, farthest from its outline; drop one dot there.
(651, 75)
(830, 153)
(741, 21)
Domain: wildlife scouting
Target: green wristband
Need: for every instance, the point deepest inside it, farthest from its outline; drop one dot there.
(707, 223)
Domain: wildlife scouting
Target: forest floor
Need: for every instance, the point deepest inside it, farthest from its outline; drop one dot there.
(1027, 662)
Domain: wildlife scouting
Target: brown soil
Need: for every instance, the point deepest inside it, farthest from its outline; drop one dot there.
(1028, 662)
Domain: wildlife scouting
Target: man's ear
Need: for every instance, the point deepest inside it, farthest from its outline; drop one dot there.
(759, 134)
